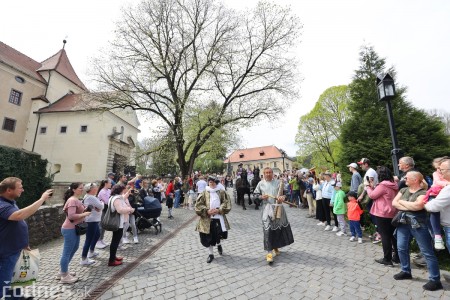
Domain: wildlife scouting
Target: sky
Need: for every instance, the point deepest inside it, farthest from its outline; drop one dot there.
(413, 36)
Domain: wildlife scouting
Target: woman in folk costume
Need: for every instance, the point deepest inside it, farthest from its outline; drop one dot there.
(212, 205)
(277, 230)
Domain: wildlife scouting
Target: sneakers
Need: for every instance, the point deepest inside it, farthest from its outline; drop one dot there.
(101, 244)
(276, 252)
(87, 262)
(327, 228)
(439, 245)
(92, 254)
(59, 276)
(119, 258)
(321, 224)
(135, 240)
(269, 258)
(340, 233)
(360, 241)
(115, 263)
(432, 286)
(126, 241)
(384, 262)
(352, 239)
(402, 275)
(335, 229)
(377, 238)
(68, 279)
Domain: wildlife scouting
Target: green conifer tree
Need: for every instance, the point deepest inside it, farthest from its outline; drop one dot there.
(366, 132)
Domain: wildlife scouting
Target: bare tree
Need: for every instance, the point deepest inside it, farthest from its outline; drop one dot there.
(197, 61)
(443, 116)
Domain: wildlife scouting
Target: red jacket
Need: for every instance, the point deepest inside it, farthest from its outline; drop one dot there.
(354, 211)
(169, 188)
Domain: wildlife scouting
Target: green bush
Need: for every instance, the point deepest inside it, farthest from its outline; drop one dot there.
(27, 166)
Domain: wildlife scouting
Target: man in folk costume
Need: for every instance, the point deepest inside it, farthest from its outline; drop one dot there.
(276, 227)
(212, 205)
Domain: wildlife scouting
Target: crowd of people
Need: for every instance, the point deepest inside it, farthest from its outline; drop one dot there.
(398, 207)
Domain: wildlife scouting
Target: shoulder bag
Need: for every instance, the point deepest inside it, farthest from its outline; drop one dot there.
(111, 220)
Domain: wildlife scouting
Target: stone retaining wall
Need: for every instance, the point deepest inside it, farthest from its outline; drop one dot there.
(45, 224)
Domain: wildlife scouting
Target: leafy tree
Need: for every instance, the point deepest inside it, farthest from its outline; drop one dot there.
(366, 132)
(319, 130)
(174, 60)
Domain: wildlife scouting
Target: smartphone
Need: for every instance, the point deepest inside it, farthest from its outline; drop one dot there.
(50, 194)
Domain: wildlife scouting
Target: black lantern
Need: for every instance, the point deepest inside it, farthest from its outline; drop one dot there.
(385, 87)
(386, 92)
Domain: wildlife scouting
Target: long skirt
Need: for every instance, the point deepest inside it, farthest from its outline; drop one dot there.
(277, 231)
(215, 234)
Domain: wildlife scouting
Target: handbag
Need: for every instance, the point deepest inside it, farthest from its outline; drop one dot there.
(81, 228)
(111, 220)
(27, 267)
(396, 219)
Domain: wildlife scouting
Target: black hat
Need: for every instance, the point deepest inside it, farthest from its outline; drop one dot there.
(352, 194)
(240, 164)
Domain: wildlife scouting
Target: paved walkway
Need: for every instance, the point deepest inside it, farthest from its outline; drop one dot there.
(172, 265)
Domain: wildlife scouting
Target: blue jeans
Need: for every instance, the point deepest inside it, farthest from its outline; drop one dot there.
(177, 198)
(71, 244)
(7, 265)
(355, 228)
(447, 237)
(295, 197)
(404, 234)
(92, 235)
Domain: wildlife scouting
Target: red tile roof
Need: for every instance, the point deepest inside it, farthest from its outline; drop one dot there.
(20, 62)
(60, 63)
(252, 154)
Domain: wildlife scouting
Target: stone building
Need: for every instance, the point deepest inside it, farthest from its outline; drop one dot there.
(266, 156)
(45, 108)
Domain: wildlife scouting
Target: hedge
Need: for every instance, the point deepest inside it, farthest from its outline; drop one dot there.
(27, 166)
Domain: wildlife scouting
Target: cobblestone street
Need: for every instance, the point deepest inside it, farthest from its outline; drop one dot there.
(172, 265)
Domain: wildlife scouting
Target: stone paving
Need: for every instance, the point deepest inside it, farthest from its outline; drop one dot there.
(319, 265)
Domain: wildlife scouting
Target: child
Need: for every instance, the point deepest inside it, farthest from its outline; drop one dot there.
(354, 212)
(191, 198)
(435, 217)
(169, 203)
(339, 208)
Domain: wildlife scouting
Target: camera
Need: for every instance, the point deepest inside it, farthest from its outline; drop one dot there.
(89, 208)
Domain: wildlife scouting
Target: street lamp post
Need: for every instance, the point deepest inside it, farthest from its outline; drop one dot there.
(283, 155)
(386, 92)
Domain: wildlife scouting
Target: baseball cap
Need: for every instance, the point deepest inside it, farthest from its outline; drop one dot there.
(363, 161)
(353, 165)
(111, 174)
(327, 173)
(338, 184)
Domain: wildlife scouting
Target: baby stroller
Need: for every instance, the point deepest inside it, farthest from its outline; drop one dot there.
(148, 214)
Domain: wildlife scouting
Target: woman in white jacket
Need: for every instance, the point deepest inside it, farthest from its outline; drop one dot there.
(117, 203)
